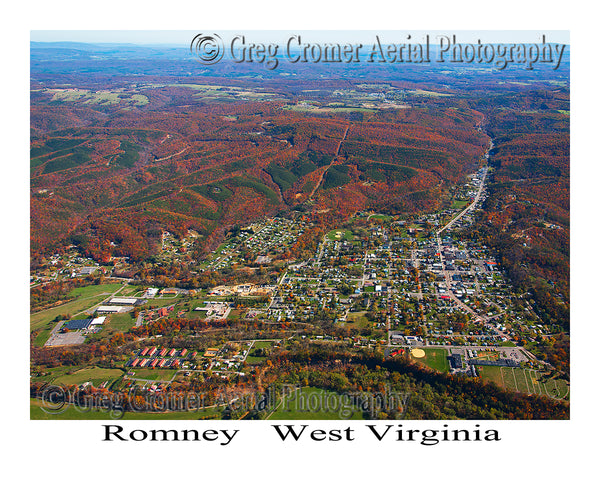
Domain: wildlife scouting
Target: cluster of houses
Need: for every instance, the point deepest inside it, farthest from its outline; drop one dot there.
(263, 240)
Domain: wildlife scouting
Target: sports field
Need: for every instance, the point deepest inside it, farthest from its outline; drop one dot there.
(526, 381)
(436, 358)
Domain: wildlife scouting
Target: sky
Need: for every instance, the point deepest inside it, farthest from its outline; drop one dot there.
(183, 37)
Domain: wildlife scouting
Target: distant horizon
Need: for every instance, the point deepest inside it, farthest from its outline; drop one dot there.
(183, 37)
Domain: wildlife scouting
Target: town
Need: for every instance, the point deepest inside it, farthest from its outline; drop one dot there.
(415, 288)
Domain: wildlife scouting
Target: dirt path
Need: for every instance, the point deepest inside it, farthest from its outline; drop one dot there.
(337, 152)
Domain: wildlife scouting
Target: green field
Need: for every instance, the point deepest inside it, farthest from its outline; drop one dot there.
(95, 375)
(253, 360)
(121, 322)
(380, 216)
(164, 374)
(340, 235)
(100, 97)
(357, 320)
(43, 336)
(436, 358)
(87, 297)
(163, 302)
(72, 413)
(301, 406)
(525, 381)
(459, 204)
(131, 291)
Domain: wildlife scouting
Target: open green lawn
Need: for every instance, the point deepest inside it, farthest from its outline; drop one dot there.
(88, 296)
(132, 291)
(340, 235)
(96, 375)
(491, 373)
(380, 216)
(43, 336)
(72, 413)
(163, 302)
(50, 374)
(164, 374)
(436, 358)
(459, 204)
(306, 405)
(357, 320)
(92, 290)
(253, 360)
(120, 321)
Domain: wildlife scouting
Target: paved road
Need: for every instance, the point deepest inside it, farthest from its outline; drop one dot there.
(469, 207)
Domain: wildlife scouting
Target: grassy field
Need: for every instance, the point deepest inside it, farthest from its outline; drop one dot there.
(459, 204)
(96, 375)
(132, 291)
(525, 381)
(357, 320)
(380, 216)
(50, 374)
(436, 358)
(100, 97)
(306, 405)
(163, 374)
(491, 373)
(429, 93)
(72, 413)
(340, 235)
(121, 322)
(163, 302)
(87, 297)
(251, 359)
(43, 336)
